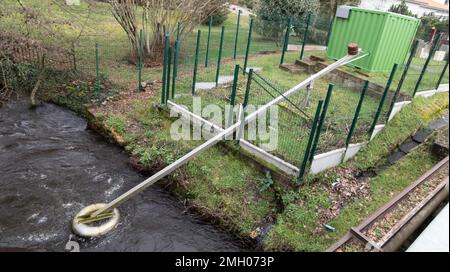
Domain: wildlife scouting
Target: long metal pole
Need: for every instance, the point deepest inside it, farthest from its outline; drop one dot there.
(402, 79)
(169, 69)
(219, 137)
(358, 110)
(208, 42)
(321, 122)
(237, 34)
(140, 88)
(164, 73)
(427, 62)
(233, 95)
(235, 85)
(383, 99)
(442, 75)
(305, 37)
(249, 42)
(310, 141)
(219, 59)
(175, 68)
(286, 40)
(197, 50)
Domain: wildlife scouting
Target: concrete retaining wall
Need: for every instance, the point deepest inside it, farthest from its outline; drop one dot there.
(398, 107)
(353, 150)
(326, 161)
(377, 130)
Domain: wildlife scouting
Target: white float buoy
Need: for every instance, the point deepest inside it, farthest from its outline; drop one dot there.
(85, 230)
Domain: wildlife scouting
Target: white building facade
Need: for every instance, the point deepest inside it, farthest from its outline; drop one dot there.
(417, 7)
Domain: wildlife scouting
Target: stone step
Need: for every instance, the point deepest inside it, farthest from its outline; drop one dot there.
(293, 68)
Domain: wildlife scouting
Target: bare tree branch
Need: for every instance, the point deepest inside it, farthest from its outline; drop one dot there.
(158, 18)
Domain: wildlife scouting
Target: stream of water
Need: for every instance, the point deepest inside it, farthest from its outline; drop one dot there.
(51, 167)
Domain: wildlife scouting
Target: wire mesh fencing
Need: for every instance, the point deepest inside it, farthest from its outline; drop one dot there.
(207, 56)
(424, 69)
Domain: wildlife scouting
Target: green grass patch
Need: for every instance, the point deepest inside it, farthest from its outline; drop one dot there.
(293, 126)
(412, 118)
(295, 227)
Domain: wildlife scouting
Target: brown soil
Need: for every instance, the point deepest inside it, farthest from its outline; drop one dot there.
(346, 189)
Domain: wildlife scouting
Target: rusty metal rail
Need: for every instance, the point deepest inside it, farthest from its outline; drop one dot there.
(358, 232)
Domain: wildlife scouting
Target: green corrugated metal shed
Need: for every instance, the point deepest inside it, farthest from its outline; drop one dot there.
(386, 36)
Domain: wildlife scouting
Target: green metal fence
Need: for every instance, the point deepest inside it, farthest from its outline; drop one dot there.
(207, 57)
(421, 71)
(218, 65)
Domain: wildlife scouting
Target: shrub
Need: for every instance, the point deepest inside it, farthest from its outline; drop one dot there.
(218, 17)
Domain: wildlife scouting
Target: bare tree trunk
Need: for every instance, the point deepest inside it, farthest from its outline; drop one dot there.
(160, 17)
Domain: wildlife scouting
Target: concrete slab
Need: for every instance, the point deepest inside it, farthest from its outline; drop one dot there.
(426, 93)
(285, 167)
(225, 79)
(326, 161)
(408, 146)
(443, 88)
(352, 150)
(203, 86)
(435, 238)
(438, 124)
(422, 135)
(396, 157)
(397, 108)
(377, 130)
(294, 48)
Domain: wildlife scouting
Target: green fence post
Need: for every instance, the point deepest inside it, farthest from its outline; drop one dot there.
(358, 110)
(97, 72)
(141, 49)
(237, 34)
(427, 62)
(321, 122)
(305, 37)
(249, 41)
(208, 42)
(169, 70)
(441, 77)
(230, 120)
(402, 79)
(310, 142)
(164, 74)
(175, 69)
(241, 116)
(247, 89)
(286, 40)
(383, 99)
(235, 85)
(197, 49)
(219, 59)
